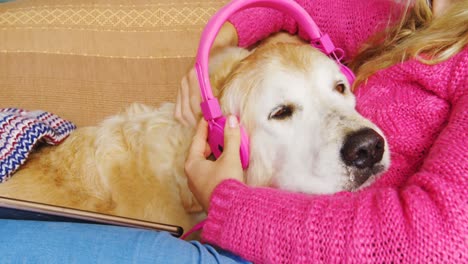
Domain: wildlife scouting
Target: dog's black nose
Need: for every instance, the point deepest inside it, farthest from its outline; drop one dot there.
(363, 148)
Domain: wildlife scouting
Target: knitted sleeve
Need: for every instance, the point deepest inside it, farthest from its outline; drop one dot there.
(348, 22)
(423, 220)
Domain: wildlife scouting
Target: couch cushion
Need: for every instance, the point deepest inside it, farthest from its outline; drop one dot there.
(87, 59)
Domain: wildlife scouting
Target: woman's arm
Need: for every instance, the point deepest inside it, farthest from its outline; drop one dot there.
(348, 22)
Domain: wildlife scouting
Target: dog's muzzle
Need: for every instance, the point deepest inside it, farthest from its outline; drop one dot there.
(363, 149)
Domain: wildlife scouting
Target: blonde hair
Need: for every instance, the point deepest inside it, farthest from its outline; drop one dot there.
(418, 35)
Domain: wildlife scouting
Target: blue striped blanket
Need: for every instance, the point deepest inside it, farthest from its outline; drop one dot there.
(21, 131)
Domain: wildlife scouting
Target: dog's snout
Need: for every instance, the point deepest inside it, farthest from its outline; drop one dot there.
(363, 148)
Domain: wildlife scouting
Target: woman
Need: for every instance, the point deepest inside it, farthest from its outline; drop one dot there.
(412, 82)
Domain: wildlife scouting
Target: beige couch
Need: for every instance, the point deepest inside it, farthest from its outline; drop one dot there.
(87, 59)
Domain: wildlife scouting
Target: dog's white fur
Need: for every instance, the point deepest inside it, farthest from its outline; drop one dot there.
(132, 163)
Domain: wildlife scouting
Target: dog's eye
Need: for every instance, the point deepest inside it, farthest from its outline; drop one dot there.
(340, 87)
(282, 112)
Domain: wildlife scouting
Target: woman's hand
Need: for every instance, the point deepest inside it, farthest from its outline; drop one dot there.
(204, 175)
(187, 110)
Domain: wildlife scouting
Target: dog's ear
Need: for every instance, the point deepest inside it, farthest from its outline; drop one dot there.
(222, 63)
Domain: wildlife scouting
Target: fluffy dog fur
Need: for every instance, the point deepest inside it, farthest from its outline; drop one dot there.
(293, 101)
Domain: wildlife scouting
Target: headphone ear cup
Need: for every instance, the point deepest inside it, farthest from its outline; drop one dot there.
(216, 136)
(216, 140)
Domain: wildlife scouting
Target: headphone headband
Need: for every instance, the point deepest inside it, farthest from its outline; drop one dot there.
(319, 40)
(210, 106)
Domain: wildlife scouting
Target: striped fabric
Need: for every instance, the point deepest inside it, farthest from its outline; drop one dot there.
(21, 130)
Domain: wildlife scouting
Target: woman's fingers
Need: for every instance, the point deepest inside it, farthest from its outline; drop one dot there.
(232, 138)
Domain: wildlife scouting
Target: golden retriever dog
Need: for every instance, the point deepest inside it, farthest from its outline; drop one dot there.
(297, 107)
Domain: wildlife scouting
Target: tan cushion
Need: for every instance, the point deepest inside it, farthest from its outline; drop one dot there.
(87, 59)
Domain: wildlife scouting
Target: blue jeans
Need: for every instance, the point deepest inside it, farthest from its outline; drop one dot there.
(60, 242)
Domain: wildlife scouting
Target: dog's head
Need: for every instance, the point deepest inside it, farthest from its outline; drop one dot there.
(299, 111)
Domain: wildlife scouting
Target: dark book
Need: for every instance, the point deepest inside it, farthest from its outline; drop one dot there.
(25, 210)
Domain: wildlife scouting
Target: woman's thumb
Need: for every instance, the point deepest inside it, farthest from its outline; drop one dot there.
(232, 136)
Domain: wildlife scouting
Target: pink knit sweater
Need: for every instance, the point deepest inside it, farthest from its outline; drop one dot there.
(415, 213)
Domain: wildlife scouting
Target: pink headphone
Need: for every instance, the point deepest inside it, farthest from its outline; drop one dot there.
(210, 106)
